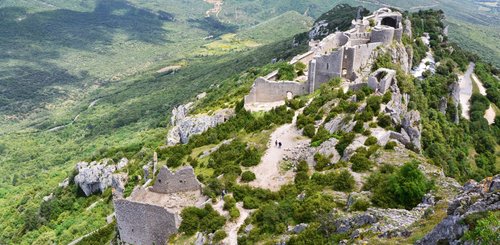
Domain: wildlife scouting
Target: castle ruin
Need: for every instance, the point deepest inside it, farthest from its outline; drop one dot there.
(340, 54)
(151, 214)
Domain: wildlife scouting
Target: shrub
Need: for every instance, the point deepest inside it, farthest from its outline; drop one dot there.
(384, 121)
(387, 97)
(390, 145)
(344, 182)
(229, 202)
(402, 188)
(200, 219)
(484, 230)
(359, 127)
(247, 176)
(360, 163)
(250, 202)
(371, 141)
(286, 72)
(345, 141)
(360, 205)
(321, 161)
(309, 130)
(219, 235)
(234, 213)
(300, 68)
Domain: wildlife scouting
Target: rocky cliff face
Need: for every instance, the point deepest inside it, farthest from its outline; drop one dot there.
(474, 198)
(97, 176)
(185, 126)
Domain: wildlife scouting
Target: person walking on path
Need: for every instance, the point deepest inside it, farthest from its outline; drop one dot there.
(279, 144)
(276, 143)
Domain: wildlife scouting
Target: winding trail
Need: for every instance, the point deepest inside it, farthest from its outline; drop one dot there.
(465, 83)
(74, 119)
(233, 227)
(490, 113)
(268, 173)
(216, 9)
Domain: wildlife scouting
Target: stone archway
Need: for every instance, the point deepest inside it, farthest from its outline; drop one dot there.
(389, 21)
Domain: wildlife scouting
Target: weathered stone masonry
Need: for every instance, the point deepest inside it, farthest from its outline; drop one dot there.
(180, 181)
(341, 54)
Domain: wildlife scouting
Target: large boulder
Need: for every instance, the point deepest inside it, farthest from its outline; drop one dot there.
(186, 126)
(96, 176)
(412, 127)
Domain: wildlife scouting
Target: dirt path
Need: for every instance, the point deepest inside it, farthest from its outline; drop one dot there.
(465, 83)
(268, 172)
(489, 114)
(233, 227)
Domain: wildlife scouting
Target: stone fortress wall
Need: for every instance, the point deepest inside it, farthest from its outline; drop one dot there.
(180, 181)
(151, 214)
(340, 54)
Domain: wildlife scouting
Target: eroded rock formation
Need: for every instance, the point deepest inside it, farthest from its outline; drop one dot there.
(474, 198)
(97, 176)
(185, 126)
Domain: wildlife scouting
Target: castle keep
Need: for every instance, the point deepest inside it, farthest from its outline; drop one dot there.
(341, 54)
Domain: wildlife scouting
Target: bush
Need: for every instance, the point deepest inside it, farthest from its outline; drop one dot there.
(250, 202)
(300, 68)
(344, 142)
(360, 205)
(344, 182)
(484, 230)
(200, 219)
(247, 176)
(402, 188)
(286, 72)
(359, 127)
(321, 161)
(384, 121)
(390, 145)
(234, 213)
(360, 163)
(309, 130)
(371, 141)
(219, 235)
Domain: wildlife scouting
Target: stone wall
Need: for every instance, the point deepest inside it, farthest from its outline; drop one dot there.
(181, 181)
(358, 57)
(382, 34)
(325, 67)
(381, 80)
(270, 91)
(141, 223)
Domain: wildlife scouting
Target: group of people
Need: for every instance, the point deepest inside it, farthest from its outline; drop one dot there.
(277, 144)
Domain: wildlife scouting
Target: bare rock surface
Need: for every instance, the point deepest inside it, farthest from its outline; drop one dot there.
(185, 126)
(474, 197)
(96, 176)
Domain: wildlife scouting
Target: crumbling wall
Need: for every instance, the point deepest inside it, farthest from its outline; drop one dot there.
(270, 91)
(381, 79)
(383, 35)
(181, 181)
(334, 41)
(357, 58)
(325, 68)
(145, 224)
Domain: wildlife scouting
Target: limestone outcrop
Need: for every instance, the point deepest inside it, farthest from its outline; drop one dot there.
(185, 126)
(341, 122)
(97, 176)
(180, 181)
(412, 127)
(474, 198)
